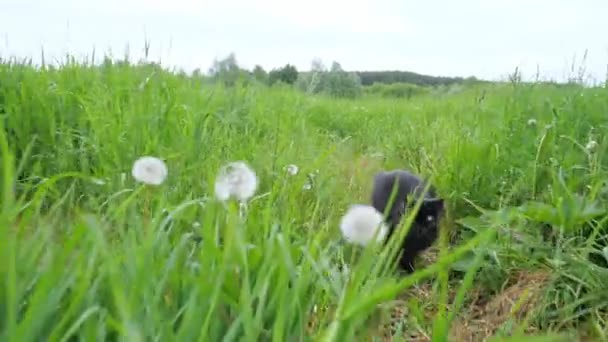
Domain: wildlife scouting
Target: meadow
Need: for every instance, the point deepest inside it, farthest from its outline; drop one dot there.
(90, 254)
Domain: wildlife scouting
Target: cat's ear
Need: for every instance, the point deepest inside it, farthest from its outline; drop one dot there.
(435, 205)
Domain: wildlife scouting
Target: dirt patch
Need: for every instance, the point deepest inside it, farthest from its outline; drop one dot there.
(481, 317)
(517, 302)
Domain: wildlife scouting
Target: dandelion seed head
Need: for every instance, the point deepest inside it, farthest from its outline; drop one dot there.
(532, 122)
(591, 146)
(292, 169)
(236, 180)
(149, 170)
(360, 223)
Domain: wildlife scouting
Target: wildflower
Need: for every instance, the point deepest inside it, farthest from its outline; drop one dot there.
(196, 224)
(149, 170)
(360, 224)
(236, 179)
(532, 122)
(292, 169)
(591, 145)
(307, 186)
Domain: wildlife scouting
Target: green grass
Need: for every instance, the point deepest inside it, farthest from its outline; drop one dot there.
(89, 254)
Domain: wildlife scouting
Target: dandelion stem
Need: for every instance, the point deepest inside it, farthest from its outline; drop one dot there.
(147, 200)
(242, 209)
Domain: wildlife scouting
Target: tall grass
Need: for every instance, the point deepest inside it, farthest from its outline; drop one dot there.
(89, 254)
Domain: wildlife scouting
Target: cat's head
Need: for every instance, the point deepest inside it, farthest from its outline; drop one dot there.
(430, 212)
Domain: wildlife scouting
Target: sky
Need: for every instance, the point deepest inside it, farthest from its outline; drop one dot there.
(483, 38)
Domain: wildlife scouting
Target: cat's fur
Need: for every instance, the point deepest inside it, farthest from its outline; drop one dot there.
(425, 228)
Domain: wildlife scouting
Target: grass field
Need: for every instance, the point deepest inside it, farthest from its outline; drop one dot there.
(89, 254)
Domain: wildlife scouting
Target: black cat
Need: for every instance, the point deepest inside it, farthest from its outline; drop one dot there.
(425, 227)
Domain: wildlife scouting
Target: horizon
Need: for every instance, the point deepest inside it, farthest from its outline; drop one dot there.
(488, 41)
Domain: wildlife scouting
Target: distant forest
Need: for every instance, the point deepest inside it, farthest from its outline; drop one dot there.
(390, 77)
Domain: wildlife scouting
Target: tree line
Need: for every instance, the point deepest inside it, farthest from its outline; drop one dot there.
(333, 80)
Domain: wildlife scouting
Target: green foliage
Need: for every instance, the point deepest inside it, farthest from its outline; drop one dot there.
(287, 74)
(259, 74)
(389, 77)
(334, 82)
(88, 254)
(227, 71)
(397, 90)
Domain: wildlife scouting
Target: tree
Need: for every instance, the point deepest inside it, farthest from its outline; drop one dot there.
(226, 70)
(334, 82)
(317, 65)
(336, 67)
(340, 83)
(388, 77)
(259, 74)
(225, 65)
(287, 74)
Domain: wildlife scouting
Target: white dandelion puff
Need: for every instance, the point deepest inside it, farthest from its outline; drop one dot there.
(360, 224)
(532, 122)
(310, 179)
(149, 170)
(591, 146)
(237, 180)
(292, 169)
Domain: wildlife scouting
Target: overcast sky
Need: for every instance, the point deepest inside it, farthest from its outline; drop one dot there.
(484, 38)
